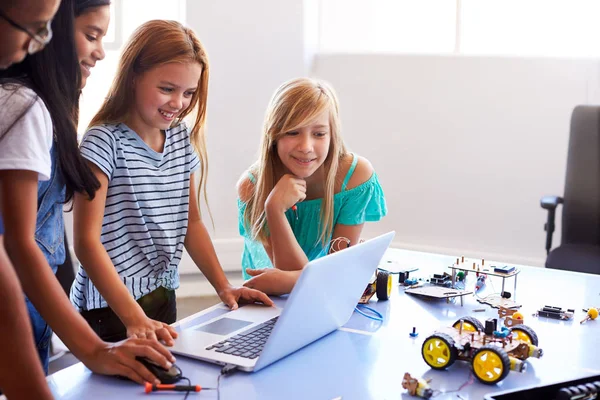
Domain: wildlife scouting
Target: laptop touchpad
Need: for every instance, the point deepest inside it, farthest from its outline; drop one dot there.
(223, 326)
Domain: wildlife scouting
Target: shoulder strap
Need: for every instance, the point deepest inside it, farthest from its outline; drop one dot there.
(251, 177)
(350, 171)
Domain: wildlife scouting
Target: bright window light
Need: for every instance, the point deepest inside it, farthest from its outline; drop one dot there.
(553, 28)
(387, 26)
(129, 14)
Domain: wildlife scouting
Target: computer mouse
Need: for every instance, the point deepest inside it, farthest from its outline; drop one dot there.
(165, 376)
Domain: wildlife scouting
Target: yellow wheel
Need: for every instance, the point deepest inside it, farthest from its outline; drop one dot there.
(439, 351)
(525, 334)
(383, 286)
(490, 364)
(470, 324)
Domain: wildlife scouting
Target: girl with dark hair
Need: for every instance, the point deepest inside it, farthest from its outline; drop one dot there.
(42, 143)
(23, 29)
(91, 24)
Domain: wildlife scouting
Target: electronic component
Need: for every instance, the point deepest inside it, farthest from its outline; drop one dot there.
(555, 313)
(505, 269)
(441, 280)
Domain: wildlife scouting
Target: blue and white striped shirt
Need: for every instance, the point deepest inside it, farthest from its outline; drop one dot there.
(146, 212)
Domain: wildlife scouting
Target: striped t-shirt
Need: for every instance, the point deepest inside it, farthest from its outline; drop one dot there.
(146, 212)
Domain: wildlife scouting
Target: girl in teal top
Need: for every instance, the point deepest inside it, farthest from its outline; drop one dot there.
(305, 192)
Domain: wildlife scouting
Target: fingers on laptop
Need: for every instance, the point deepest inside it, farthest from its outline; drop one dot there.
(230, 302)
(254, 296)
(154, 330)
(254, 272)
(166, 333)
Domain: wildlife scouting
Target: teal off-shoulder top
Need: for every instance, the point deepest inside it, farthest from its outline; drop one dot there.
(365, 202)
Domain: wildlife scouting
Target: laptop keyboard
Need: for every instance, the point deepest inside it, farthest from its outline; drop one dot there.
(247, 344)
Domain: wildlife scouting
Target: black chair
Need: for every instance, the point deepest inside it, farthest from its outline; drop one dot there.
(580, 245)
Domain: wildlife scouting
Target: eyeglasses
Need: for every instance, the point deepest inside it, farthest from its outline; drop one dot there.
(38, 40)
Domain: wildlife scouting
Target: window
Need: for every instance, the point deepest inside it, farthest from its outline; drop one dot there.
(383, 26)
(552, 28)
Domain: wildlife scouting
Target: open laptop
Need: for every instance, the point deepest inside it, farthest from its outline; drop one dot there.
(322, 301)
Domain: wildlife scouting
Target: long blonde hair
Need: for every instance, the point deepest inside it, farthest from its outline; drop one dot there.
(294, 104)
(153, 44)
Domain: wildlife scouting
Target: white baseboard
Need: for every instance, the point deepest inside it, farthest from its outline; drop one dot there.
(470, 253)
(229, 251)
(196, 285)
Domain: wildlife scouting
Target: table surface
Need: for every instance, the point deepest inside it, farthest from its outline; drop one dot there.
(367, 359)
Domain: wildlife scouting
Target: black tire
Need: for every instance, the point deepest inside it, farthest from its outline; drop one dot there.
(381, 285)
(528, 331)
(469, 320)
(448, 341)
(505, 365)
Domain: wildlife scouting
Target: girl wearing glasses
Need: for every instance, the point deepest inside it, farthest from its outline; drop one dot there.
(22, 379)
(40, 144)
(25, 28)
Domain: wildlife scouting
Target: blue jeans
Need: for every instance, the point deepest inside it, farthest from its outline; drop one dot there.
(49, 235)
(42, 334)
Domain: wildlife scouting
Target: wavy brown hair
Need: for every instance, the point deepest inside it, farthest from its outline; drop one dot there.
(153, 44)
(294, 104)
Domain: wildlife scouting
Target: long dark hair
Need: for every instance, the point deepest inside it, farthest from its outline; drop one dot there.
(81, 6)
(54, 75)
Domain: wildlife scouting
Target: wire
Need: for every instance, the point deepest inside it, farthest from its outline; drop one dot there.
(469, 381)
(226, 370)
(377, 315)
(187, 393)
(189, 384)
(336, 244)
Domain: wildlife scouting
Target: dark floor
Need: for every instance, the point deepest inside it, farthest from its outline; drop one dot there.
(186, 306)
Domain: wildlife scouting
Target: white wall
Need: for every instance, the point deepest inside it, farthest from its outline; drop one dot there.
(464, 147)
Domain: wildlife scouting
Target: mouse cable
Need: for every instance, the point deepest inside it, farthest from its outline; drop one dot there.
(226, 370)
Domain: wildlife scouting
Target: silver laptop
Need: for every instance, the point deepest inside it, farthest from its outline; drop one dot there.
(322, 301)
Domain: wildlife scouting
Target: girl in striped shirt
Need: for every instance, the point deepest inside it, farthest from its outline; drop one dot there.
(129, 238)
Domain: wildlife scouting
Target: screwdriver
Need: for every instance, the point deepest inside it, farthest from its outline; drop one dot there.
(177, 388)
(591, 314)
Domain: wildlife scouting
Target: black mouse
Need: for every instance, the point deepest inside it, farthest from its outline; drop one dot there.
(165, 376)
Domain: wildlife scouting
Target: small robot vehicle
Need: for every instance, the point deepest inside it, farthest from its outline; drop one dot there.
(381, 284)
(492, 353)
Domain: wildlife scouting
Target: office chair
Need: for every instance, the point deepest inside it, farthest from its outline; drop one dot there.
(580, 245)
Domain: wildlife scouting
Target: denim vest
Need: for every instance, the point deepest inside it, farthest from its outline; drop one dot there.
(50, 225)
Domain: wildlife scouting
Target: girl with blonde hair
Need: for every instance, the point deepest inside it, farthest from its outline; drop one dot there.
(305, 191)
(129, 238)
